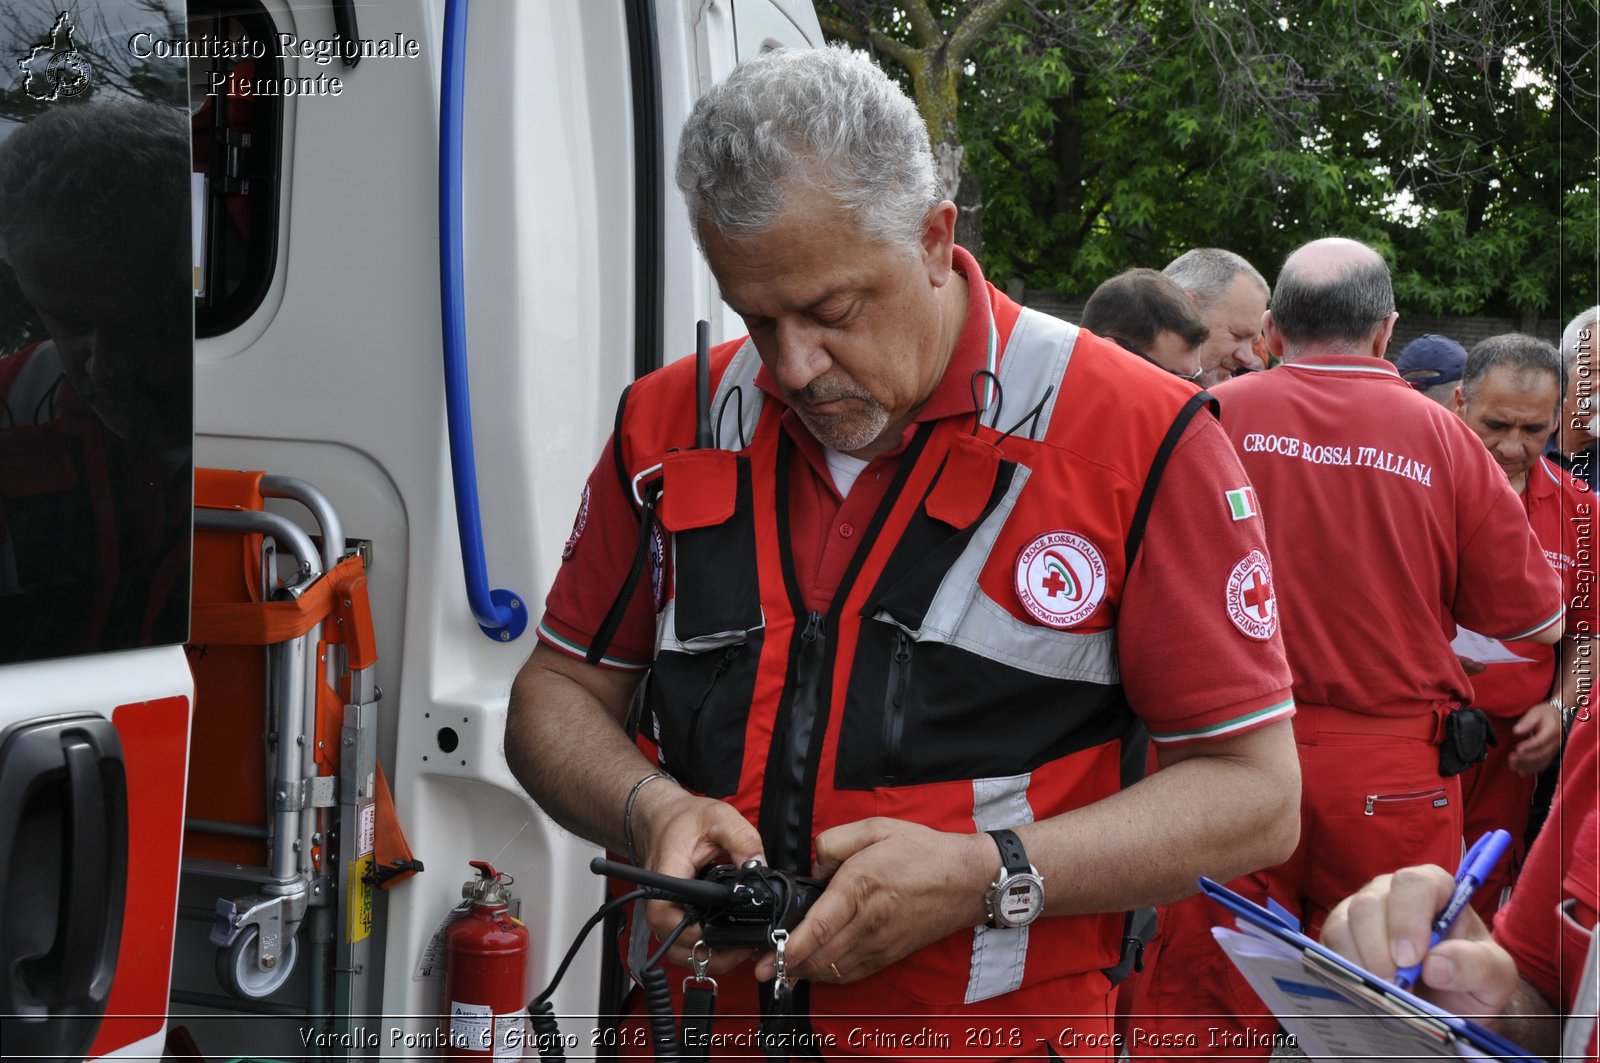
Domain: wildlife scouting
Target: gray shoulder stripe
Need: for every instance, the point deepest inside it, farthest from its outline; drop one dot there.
(960, 583)
(1036, 357)
(962, 615)
(746, 408)
(988, 630)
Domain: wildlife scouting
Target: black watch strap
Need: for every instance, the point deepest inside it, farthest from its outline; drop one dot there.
(1013, 858)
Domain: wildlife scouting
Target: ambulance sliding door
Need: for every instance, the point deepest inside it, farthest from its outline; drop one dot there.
(96, 398)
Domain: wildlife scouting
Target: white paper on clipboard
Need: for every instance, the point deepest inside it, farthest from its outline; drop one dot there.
(1330, 1019)
(1333, 1008)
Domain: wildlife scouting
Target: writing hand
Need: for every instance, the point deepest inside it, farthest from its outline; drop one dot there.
(1387, 923)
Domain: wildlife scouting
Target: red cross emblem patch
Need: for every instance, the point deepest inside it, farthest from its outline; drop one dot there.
(1252, 601)
(1060, 579)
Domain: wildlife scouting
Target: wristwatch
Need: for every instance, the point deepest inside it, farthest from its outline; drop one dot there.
(1016, 897)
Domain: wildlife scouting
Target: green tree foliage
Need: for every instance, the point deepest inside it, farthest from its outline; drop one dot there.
(931, 44)
(1458, 137)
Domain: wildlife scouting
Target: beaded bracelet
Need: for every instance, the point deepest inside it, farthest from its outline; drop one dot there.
(627, 813)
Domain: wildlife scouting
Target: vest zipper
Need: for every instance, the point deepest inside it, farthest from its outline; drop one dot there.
(894, 712)
(786, 774)
(728, 654)
(795, 749)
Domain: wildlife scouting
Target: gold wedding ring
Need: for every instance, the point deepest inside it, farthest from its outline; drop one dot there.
(834, 967)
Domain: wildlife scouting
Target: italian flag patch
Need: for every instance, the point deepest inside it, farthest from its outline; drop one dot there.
(1242, 503)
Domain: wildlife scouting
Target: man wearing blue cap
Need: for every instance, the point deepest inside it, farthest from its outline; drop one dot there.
(1432, 364)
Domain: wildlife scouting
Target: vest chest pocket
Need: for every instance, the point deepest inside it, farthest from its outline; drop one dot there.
(921, 710)
(709, 636)
(947, 685)
(699, 700)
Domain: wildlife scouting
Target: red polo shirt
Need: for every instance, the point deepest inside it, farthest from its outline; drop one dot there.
(1555, 501)
(1548, 924)
(1229, 682)
(1389, 522)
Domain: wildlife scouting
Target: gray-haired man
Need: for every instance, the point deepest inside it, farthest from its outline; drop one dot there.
(1510, 394)
(1232, 295)
(904, 615)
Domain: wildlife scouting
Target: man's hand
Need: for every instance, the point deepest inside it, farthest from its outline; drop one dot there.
(1538, 735)
(1387, 923)
(1470, 666)
(677, 833)
(893, 887)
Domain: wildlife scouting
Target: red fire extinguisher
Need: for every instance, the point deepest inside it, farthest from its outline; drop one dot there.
(486, 955)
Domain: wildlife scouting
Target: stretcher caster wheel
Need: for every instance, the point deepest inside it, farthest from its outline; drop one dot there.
(238, 970)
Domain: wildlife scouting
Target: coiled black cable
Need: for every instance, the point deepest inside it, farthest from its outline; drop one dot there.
(546, 1031)
(658, 996)
(657, 992)
(658, 1005)
(541, 1013)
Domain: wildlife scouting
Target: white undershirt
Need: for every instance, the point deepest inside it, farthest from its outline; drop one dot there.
(844, 469)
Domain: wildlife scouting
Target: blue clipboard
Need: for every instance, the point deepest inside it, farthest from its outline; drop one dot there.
(1282, 925)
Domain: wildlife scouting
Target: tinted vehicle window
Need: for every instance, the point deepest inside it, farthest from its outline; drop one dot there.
(233, 55)
(96, 333)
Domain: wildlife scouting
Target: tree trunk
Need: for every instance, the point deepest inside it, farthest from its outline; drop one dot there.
(935, 84)
(969, 222)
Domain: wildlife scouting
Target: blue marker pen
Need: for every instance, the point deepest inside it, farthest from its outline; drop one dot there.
(1475, 867)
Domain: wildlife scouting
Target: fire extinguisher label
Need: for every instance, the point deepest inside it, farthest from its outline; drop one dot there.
(508, 1037)
(431, 963)
(471, 1026)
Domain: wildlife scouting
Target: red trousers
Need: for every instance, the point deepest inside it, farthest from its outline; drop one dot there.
(1370, 804)
(1496, 798)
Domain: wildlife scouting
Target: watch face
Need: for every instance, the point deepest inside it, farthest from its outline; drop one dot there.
(1020, 901)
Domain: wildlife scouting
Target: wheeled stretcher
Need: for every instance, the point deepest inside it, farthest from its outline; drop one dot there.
(288, 809)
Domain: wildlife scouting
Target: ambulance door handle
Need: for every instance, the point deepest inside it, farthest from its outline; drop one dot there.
(63, 872)
(85, 902)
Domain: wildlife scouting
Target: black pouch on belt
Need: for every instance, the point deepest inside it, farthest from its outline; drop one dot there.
(1467, 738)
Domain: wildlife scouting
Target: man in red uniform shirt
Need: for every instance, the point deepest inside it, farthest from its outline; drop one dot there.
(1542, 963)
(1509, 396)
(1345, 459)
(904, 609)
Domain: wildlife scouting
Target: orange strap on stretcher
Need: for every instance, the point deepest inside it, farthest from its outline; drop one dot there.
(228, 612)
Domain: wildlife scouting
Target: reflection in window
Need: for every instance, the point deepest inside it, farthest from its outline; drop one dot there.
(236, 159)
(96, 371)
